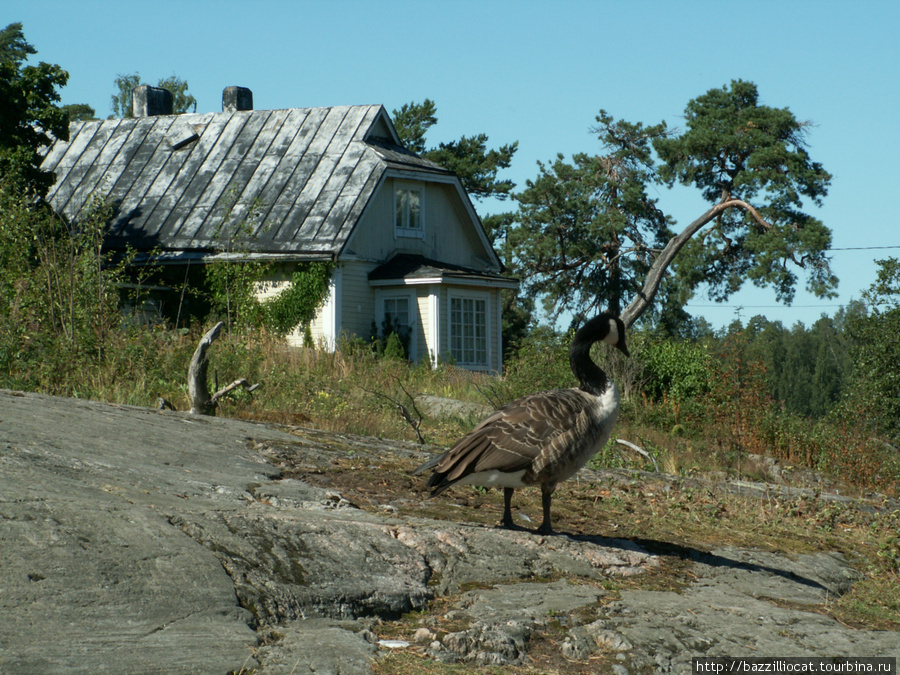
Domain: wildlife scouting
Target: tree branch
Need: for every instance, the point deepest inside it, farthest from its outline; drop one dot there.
(657, 270)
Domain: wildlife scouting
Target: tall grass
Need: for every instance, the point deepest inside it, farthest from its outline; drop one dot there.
(355, 390)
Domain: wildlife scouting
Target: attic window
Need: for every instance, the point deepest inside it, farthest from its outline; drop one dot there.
(408, 210)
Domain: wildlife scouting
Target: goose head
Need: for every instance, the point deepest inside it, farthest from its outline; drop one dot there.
(606, 328)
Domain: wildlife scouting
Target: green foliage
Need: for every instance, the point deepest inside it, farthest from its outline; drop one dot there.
(469, 157)
(393, 348)
(876, 351)
(120, 102)
(60, 293)
(589, 236)
(79, 112)
(736, 150)
(232, 279)
(676, 369)
(806, 368)
(540, 362)
(393, 339)
(30, 118)
(231, 290)
(412, 121)
(183, 102)
(583, 229)
(14, 48)
(298, 304)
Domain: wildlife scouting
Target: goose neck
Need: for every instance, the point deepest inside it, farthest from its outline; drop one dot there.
(591, 377)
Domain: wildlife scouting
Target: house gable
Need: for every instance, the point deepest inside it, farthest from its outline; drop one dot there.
(450, 229)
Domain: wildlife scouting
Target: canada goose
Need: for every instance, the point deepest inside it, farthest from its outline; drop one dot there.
(543, 438)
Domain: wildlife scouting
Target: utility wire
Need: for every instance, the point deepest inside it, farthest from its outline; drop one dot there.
(860, 248)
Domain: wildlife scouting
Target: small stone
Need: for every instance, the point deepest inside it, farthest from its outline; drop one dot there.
(423, 635)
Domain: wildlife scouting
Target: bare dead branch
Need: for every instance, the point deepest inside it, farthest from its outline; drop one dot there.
(224, 391)
(201, 402)
(640, 451)
(413, 420)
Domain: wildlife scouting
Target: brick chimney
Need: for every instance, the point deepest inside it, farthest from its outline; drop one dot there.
(147, 101)
(236, 98)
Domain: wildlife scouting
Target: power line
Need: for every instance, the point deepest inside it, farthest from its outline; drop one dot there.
(860, 248)
(761, 306)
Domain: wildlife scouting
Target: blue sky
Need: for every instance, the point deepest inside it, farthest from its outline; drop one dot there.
(536, 73)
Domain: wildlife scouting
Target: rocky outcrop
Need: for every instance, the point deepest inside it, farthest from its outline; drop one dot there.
(138, 541)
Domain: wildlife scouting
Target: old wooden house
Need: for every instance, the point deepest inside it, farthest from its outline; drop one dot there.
(308, 184)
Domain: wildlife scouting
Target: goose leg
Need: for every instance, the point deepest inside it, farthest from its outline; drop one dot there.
(546, 498)
(507, 507)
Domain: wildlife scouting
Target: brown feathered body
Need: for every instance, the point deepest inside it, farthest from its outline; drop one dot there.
(543, 438)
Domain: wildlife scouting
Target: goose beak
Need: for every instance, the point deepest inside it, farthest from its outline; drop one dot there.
(623, 348)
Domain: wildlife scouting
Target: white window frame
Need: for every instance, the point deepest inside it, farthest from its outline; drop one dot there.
(457, 351)
(412, 310)
(403, 213)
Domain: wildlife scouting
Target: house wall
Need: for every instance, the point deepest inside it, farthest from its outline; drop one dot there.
(359, 307)
(448, 233)
(359, 298)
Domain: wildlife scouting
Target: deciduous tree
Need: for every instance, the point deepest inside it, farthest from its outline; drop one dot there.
(30, 118)
(120, 102)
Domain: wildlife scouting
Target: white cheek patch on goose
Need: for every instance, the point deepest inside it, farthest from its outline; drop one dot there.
(613, 336)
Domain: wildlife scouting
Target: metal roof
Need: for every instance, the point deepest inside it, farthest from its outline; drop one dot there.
(277, 181)
(410, 268)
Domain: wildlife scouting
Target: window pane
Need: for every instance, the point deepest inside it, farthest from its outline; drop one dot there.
(397, 311)
(414, 205)
(401, 201)
(468, 330)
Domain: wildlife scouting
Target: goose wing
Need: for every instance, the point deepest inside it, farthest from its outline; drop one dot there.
(513, 438)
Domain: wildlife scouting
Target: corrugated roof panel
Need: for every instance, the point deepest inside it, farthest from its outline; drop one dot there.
(260, 163)
(55, 152)
(229, 204)
(188, 181)
(70, 165)
(324, 183)
(355, 213)
(327, 129)
(293, 171)
(302, 178)
(114, 157)
(212, 179)
(102, 150)
(317, 223)
(140, 147)
(300, 128)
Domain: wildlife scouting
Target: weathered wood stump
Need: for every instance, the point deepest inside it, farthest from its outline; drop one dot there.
(201, 401)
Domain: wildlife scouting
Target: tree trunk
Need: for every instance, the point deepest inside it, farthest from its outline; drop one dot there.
(201, 402)
(658, 269)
